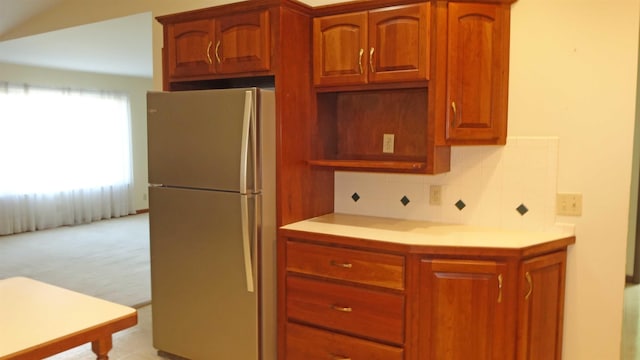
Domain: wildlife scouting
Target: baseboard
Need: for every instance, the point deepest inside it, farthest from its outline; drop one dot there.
(142, 211)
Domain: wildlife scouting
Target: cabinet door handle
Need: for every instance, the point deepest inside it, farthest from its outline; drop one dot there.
(371, 60)
(527, 276)
(499, 288)
(455, 114)
(360, 61)
(209, 53)
(217, 52)
(341, 264)
(341, 308)
(339, 357)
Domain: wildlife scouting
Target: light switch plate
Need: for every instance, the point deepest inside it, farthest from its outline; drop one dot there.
(435, 195)
(387, 143)
(569, 204)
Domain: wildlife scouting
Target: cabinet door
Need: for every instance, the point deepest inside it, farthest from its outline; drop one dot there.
(541, 307)
(189, 47)
(477, 73)
(399, 43)
(462, 310)
(243, 43)
(339, 46)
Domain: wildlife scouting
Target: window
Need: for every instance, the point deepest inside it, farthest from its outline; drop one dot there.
(65, 157)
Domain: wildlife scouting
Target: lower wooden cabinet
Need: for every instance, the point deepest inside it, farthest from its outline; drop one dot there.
(429, 303)
(541, 304)
(363, 312)
(462, 309)
(343, 303)
(309, 343)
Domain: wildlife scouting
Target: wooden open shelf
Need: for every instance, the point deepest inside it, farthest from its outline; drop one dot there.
(370, 164)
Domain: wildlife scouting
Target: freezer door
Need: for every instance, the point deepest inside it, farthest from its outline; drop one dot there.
(204, 306)
(203, 139)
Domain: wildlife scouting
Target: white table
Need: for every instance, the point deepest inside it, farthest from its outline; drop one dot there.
(38, 320)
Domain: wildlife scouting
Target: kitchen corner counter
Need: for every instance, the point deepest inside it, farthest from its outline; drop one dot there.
(421, 236)
(359, 285)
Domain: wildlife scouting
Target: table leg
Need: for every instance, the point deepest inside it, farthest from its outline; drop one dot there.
(101, 347)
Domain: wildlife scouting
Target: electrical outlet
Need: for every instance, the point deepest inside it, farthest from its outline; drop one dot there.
(569, 204)
(387, 143)
(435, 195)
(144, 196)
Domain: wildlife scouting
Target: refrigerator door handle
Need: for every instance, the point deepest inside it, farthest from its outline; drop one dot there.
(246, 138)
(246, 242)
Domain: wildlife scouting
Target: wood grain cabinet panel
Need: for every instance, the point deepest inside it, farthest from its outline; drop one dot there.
(339, 45)
(357, 266)
(382, 45)
(541, 304)
(399, 43)
(477, 73)
(343, 303)
(462, 309)
(243, 43)
(458, 303)
(348, 309)
(307, 343)
(189, 51)
(237, 44)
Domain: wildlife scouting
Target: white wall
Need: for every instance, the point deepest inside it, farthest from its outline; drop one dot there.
(488, 182)
(635, 184)
(134, 87)
(573, 76)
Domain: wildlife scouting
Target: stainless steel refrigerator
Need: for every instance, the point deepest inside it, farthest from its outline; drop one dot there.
(211, 157)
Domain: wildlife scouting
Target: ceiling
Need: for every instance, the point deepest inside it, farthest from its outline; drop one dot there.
(121, 46)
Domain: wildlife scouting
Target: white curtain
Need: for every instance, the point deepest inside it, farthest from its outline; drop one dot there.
(65, 157)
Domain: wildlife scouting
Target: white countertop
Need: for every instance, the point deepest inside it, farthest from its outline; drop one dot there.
(422, 233)
(34, 313)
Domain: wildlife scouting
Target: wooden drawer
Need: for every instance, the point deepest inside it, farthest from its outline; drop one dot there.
(305, 343)
(368, 313)
(346, 264)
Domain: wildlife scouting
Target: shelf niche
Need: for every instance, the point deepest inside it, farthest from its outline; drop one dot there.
(351, 126)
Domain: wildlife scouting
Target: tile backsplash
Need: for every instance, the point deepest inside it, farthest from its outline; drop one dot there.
(511, 186)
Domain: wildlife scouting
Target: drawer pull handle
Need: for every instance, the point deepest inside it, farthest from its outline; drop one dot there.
(342, 265)
(339, 357)
(341, 308)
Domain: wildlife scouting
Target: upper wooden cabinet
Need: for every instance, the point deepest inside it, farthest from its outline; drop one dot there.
(262, 43)
(477, 73)
(382, 45)
(190, 48)
(233, 44)
(243, 43)
(399, 43)
(339, 43)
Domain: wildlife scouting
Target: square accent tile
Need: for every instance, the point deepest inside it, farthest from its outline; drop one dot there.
(355, 197)
(460, 204)
(404, 200)
(522, 209)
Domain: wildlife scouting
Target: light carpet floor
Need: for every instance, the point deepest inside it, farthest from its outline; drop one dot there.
(107, 259)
